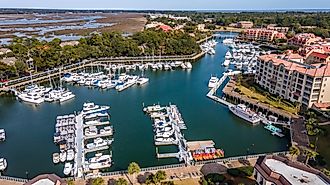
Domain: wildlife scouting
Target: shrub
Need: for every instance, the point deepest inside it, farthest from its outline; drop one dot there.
(214, 178)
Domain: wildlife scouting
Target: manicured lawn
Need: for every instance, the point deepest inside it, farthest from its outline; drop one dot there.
(262, 98)
(187, 182)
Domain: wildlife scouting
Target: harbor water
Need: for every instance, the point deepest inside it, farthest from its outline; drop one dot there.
(29, 129)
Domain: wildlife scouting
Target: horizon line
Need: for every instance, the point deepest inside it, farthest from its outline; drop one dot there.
(174, 9)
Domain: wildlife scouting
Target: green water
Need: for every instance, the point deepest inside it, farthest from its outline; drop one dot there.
(30, 129)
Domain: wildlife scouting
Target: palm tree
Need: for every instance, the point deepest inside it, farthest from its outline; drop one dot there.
(133, 168)
(159, 176)
(310, 154)
(121, 181)
(294, 151)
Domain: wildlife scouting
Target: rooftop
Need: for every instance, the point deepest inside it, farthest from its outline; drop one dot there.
(46, 179)
(311, 70)
(294, 175)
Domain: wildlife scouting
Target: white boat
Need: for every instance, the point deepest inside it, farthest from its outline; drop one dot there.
(66, 96)
(226, 63)
(183, 66)
(91, 108)
(2, 135)
(165, 134)
(106, 163)
(125, 85)
(3, 164)
(188, 64)
(142, 81)
(62, 156)
(245, 113)
(67, 169)
(31, 97)
(99, 157)
(70, 155)
(213, 81)
(99, 142)
(153, 108)
(56, 158)
(106, 130)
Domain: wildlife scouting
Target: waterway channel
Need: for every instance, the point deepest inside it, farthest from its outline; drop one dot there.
(29, 129)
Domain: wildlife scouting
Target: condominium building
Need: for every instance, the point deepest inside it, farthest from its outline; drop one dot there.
(317, 57)
(294, 81)
(245, 24)
(303, 39)
(262, 35)
(278, 28)
(271, 170)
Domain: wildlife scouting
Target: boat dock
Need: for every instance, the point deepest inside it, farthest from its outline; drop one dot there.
(79, 146)
(211, 93)
(71, 139)
(175, 123)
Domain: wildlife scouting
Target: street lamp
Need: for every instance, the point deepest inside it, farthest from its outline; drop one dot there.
(27, 175)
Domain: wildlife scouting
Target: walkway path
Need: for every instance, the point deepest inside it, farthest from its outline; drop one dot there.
(79, 147)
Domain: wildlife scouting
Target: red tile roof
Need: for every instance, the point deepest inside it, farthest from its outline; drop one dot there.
(319, 55)
(166, 28)
(322, 105)
(311, 70)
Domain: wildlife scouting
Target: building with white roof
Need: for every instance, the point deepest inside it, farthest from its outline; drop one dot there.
(46, 179)
(275, 170)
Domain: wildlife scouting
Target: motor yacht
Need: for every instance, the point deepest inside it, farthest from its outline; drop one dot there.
(213, 81)
(67, 169)
(3, 164)
(142, 81)
(245, 113)
(2, 135)
(56, 158)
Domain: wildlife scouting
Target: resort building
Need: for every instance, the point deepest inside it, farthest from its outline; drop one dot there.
(46, 179)
(262, 35)
(321, 46)
(294, 81)
(271, 170)
(245, 24)
(317, 57)
(303, 39)
(277, 28)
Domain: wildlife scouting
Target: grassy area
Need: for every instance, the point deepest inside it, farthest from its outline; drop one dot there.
(267, 100)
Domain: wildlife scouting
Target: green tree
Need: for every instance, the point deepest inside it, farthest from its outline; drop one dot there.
(159, 176)
(121, 181)
(309, 154)
(133, 169)
(70, 182)
(96, 181)
(294, 151)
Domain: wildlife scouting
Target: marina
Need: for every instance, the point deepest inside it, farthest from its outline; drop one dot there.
(78, 135)
(187, 89)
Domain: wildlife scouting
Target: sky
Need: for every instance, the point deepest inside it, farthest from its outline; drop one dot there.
(169, 4)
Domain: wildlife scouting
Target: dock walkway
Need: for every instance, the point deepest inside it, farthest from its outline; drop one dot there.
(98, 135)
(211, 93)
(79, 158)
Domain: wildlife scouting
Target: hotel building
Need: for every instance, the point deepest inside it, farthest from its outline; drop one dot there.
(300, 82)
(262, 35)
(303, 39)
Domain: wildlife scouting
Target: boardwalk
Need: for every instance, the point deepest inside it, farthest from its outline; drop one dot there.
(79, 158)
(211, 93)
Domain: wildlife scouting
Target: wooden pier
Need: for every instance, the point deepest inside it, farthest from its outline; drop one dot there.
(96, 149)
(97, 124)
(98, 135)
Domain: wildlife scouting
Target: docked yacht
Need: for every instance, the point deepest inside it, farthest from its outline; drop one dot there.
(90, 108)
(56, 158)
(3, 164)
(226, 63)
(104, 163)
(106, 130)
(99, 157)
(2, 135)
(66, 96)
(245, 113)
(153, 108)
(67, 169)
(213, 81)
(70, 155)
(188, 65)
(99, 142)
(142, 81)
(62, 156)
(31, 97)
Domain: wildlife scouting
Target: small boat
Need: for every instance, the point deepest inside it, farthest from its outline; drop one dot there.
(70, 155)
(3, 164)
(62, 156)
(2, 135)
(67, 169)
(142, 81)
(56, 158)
(189, 66)
(213, 82)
